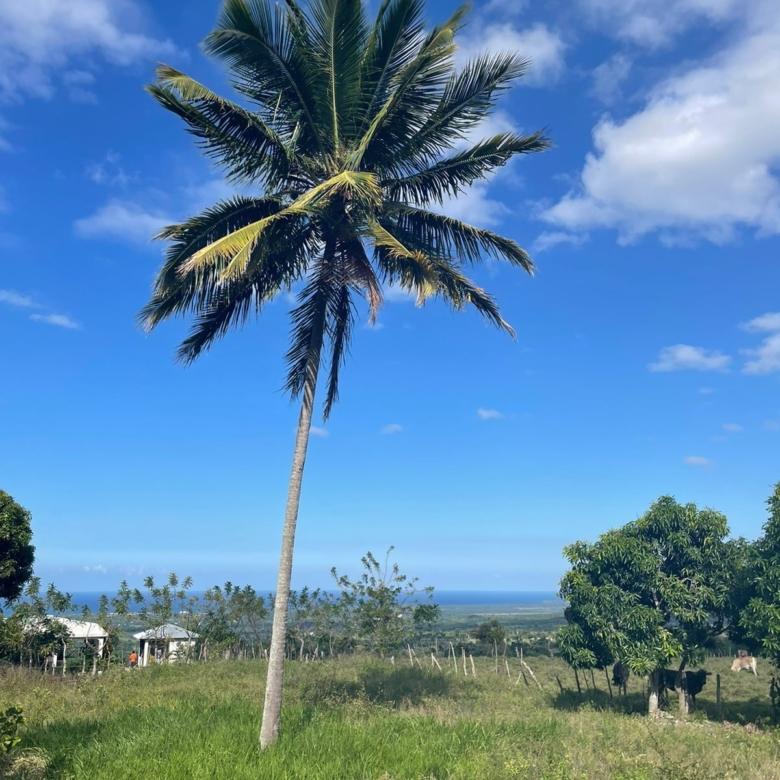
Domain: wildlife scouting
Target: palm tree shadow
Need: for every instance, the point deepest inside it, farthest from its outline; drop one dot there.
(378, 685)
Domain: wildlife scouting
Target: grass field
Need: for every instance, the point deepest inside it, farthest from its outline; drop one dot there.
(351, 719)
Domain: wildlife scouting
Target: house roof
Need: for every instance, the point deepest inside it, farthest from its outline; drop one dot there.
(78, 629)
(166, 631)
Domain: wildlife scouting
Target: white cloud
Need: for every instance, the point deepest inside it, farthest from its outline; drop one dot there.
(549, 239)
(320, 433)
(108, 171)
(698, 461)
(395, 293)
(655, 23)
(18, 300)
(58, 320)
(769, 322)
(684, 357)
(97, 568)
(538, 43)
(706, 391)
(390, 429)
(772, 425)
(77, 83)
(732, 427)
(489, 414)
(474, 206)
(41, 38)
(608, 78)
(124, 220)
(764, 359)
(699, 160)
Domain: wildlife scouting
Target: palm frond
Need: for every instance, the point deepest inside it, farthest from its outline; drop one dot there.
(255, 38)
(395, 38)
(448, 236)
(449, 176)
(236, 138)
(236, 247)
(309, 323)
(341, 319)
(174, 292)
(338, 37)
(231, 303)
(459, 290)
(414, 94)
(468, 97)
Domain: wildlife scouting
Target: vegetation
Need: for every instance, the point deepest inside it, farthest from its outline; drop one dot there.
(383, 602)
(16, 550)
(362, 718)
(759, 619)
(349, 140)
(655, 590)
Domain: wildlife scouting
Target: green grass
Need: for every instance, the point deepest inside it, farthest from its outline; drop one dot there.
(355, 718)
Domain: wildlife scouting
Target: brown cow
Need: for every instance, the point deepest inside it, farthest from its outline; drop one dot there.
(744, 661)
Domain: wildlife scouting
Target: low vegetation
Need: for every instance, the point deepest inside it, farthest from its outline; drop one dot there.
(357, 717)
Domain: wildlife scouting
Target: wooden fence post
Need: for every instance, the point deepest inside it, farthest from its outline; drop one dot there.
(609, 684)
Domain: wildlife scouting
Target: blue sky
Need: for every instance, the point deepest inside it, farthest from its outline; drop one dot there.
(648, 351)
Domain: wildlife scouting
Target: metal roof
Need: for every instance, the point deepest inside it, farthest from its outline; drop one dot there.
(166, 631)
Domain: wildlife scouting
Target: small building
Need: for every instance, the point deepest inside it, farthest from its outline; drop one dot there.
(80, 632)
(167, 643)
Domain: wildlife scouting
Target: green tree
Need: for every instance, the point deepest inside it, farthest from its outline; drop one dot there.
(387, 605)
(491, 632)
(354, 132)
(654, 590)
(759, 621)
(16, 551)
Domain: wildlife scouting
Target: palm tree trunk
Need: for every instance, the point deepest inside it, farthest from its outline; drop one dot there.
(272, 707)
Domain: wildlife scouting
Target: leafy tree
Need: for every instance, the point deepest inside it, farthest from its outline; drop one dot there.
(759, 622)
(490, 632)
(353, 133)
(32, 632)
(16, 551)
(162, 603)
(654, 590)
(232, 617)
(386, 603)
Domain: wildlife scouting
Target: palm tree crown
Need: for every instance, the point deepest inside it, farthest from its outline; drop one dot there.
(354, 131)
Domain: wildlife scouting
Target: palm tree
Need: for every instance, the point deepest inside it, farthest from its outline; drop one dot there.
(353, 131)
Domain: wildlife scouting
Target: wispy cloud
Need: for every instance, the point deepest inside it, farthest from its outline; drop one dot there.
(320, 433)
(764, 359)
(698, 461)
(18, 300)
(390, 429)
(549, 239)
(731, 427)
(58, 320)
(122, 220)
(489, 414)
(684, 357)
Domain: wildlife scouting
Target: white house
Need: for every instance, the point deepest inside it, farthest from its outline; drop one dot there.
(165, 643)
(79, 632)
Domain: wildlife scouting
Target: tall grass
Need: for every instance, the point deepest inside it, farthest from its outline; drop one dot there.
(351, 719)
